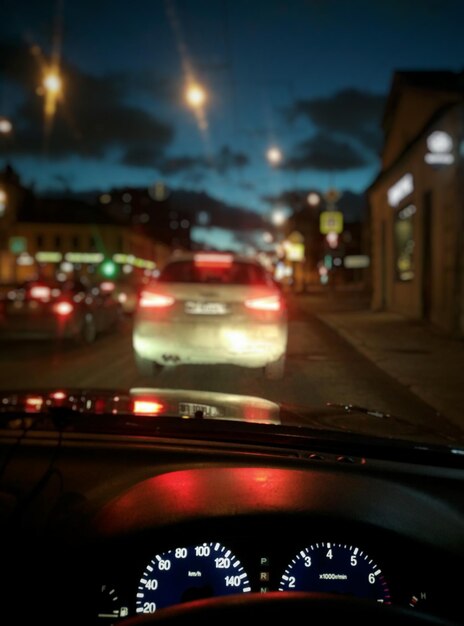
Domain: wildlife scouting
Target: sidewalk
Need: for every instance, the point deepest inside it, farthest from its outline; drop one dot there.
(415, 353)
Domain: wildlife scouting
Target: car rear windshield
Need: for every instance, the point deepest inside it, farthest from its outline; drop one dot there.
(237, 273)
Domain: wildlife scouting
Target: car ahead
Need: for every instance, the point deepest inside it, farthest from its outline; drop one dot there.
(211, 308)
(125, 292)
(69, 309)
(170, 506)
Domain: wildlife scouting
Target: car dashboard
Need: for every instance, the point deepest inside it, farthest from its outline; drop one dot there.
(105, 528)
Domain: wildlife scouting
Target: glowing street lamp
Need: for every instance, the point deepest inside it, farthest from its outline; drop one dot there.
(52, 82)
(53, 86)
(274, 155)
(313, 198)
(5, 126)
(195, 95)
(278, 217)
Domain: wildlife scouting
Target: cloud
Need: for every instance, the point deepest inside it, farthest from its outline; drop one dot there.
(351, 113)
(324, 153)
(92, 119)
(222, 162)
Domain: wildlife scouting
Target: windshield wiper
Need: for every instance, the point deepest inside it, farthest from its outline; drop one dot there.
(350, 408)
(354, 408)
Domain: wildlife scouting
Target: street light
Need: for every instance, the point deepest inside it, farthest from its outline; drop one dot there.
(5, 126)
(278, 217)
(274, 155)
(195, 95)
(313, 199)
(53, 86)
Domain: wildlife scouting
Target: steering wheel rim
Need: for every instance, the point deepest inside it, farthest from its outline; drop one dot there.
(280, 605)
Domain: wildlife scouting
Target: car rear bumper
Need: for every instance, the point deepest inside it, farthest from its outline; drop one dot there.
(250, 345)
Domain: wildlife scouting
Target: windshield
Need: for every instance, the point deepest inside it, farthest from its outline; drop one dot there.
(252, 198)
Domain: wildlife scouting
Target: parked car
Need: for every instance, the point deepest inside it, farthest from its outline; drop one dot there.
(211, 308)
(70, 309)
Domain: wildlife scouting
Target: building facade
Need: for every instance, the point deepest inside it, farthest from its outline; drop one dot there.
(48, 237)
(417, 202)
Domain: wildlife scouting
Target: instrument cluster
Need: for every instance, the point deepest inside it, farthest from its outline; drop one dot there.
(262, 562)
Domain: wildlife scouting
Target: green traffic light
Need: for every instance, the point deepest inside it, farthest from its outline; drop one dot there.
(108, 269)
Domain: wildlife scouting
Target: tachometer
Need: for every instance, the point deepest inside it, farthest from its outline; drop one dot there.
(190, 573)
(335, 568)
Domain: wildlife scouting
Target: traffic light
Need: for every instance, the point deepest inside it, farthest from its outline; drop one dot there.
(108, 269)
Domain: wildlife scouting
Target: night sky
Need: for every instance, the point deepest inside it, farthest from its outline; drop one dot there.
(309, 76)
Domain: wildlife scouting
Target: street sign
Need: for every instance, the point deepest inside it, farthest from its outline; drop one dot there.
(331, 222)
(294, 251)
(17, 244)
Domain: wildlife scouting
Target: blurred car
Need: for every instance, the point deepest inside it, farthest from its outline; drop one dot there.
(51, 309)
(211, 308)
(124, 292)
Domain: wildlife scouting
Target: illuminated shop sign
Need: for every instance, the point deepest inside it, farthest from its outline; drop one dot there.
(356, 261)
(48, 257)
(84, 257)
(402, 188)
(440, 149)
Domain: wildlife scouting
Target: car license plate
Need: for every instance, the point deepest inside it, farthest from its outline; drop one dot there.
(205, 308)
(190, 408)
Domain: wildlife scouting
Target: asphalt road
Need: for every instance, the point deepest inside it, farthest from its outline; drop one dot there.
(321, 367)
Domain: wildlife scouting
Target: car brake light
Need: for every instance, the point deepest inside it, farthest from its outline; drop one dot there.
(63, 308)
(147, 407)
(40, 292)
(150, 300)
(213, 260)
(107, 286)
(267, 303)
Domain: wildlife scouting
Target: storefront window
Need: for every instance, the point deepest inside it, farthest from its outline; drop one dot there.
(404, 243)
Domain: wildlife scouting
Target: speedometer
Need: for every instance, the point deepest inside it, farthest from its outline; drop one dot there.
(335, 568)
(190, 573)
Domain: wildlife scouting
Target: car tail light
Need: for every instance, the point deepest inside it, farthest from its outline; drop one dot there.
(147, 407)
(150, 300)
(63, 309)
(213, 260)
(107, 286)
(40, 292)
(266, 303)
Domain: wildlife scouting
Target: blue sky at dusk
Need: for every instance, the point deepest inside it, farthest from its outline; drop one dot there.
(308, 76)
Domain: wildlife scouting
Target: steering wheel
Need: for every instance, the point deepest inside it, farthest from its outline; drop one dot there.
(282, 605)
